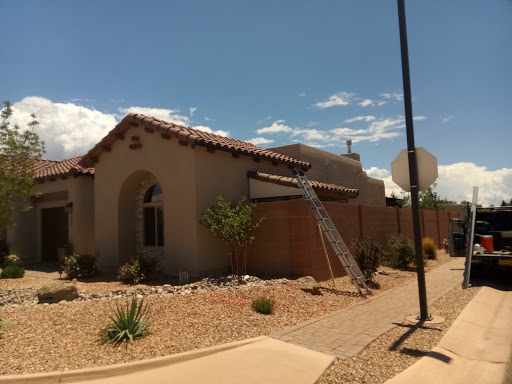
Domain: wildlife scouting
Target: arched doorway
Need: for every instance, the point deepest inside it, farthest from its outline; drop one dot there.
(140, 217)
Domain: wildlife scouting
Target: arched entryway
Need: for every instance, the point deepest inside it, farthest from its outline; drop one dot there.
(141, 217)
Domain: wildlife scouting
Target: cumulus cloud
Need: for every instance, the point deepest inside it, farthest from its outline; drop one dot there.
(360, 118)
(209, 130)
(277, 126)
(340, 98)
(456, 182)
(68, 129)
(168, 115)
(260, 141)
(366, 102)
(71, 130)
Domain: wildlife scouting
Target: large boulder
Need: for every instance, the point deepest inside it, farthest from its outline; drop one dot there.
(309, 284)
(56, 292)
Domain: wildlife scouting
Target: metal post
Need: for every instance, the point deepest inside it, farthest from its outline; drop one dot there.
(471, 236)
(413, 166)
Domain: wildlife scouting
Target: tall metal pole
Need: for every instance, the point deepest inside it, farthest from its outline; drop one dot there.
(413, 166)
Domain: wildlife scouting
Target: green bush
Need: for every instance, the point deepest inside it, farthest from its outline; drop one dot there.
(137, 270)
(128, 325)
(368, 255)
(429, 248)
(80, 266)
(263, 305)
(12, 259)
(12, 271)
(402, 253)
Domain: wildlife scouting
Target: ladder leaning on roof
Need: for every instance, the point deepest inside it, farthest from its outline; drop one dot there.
(332, 234)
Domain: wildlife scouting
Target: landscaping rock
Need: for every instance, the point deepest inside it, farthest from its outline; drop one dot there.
(56, 292)
(309, 284)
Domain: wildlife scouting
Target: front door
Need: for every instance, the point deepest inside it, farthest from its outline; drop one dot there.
(54, 232)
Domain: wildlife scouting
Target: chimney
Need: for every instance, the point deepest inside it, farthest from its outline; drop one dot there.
(349, 154)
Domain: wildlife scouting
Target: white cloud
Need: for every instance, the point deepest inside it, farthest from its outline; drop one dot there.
(312, 123)
(446, 119)
(208, 119)
(209, 130)
(456, 182)
(366, 102)
(260, 141)
(71, 130)
(302, 94)
(360, 118)
(192, 110)
(277, 126)
(168, 115)
(419, 118)
(398, 96)
(340, 98)
(68, 129)
(311, 134)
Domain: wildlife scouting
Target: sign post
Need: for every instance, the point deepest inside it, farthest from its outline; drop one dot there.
(413, 167)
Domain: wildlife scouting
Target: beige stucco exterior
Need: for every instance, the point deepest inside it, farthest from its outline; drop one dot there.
(330, 168)
(25, 237)
(191, 180)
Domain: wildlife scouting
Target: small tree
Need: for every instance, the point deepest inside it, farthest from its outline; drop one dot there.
(233, 225)
(18, 152)
(428, 199)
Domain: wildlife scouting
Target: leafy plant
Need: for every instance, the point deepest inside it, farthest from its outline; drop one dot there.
(80, 265)
(137, 270)
(19, 149)
(12, 259)
(368, 254)
(263, 305)
(128, 325)
(233, 224)
(12, 271)
(429, 248)
(403, 252)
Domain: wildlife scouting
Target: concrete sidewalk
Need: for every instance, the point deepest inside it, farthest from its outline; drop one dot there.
(475, 349)
(347, 332)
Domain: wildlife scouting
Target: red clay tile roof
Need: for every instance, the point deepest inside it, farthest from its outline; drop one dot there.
(51, 168)
(187, 136)
(292, 182)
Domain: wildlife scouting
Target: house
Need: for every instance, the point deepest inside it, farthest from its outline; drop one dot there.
(142, 190)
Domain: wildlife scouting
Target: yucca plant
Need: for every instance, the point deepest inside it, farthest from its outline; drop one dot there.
(130, 324)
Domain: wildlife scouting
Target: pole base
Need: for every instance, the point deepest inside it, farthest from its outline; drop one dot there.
(430, 319)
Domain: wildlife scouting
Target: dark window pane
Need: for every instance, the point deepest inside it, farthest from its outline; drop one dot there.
(160, 225)
(153, 194)
(149, 226)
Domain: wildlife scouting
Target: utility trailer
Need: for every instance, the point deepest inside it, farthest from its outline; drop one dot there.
(492, 240)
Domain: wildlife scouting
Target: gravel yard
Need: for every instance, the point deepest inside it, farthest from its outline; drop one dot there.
(43, 338)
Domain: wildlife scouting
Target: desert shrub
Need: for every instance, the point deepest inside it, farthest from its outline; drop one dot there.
(402, 252)
(12, 259)
(368, 255)
(429, 248)
(80, 266)
(263, 305)
(12, 271)
(137, 270)
(127, 324)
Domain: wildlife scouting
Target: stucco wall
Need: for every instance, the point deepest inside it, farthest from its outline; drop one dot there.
(25, 236)
(117, 177)
(219, 174)
(330, 168)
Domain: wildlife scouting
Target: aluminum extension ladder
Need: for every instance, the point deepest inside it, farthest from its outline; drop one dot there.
(332, 234)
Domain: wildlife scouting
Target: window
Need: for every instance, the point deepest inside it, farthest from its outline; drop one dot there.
(153, 217)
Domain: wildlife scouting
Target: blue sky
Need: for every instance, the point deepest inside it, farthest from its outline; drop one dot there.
(275, 73)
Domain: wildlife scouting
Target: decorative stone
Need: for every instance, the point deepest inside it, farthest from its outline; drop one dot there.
(56, 292)
(309, 284)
